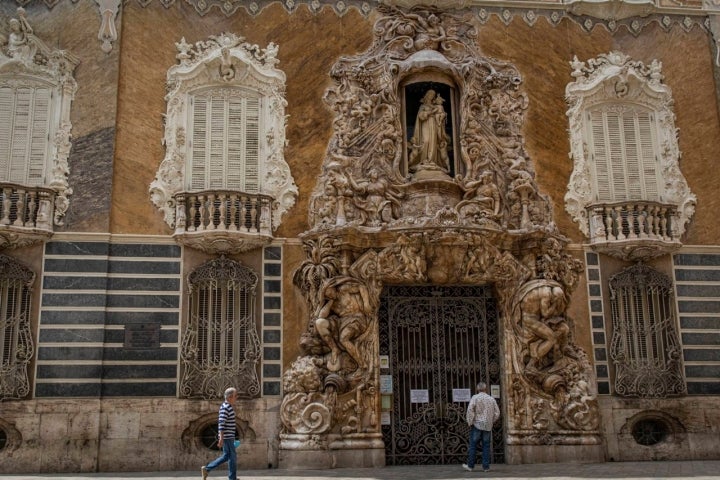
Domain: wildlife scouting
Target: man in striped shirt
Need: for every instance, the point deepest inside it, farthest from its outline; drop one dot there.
(226, 437)
(482, 412)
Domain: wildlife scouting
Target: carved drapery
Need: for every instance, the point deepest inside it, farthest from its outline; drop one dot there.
(375, 221)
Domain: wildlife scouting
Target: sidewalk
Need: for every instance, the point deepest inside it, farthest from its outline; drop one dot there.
(698, 470)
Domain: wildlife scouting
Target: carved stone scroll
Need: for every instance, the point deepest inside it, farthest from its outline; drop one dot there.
(378, 216)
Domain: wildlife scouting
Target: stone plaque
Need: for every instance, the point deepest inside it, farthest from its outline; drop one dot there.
(142, 335)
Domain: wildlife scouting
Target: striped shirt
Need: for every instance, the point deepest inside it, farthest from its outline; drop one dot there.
(482, 411)
(226, 421)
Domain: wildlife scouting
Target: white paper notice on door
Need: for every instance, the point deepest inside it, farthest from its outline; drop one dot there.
(461, 394)
(419, 396)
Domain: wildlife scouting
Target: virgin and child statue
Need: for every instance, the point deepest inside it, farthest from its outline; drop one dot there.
(429, 143)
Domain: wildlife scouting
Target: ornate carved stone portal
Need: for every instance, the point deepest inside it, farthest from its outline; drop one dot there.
(426, 181)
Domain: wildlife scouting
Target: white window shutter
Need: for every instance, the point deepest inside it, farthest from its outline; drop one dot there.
(252, 146)
(7, 112)
(218, 141)
(236, 144)
(24, 136)
(648, 156)
(623, 150)
(226, 139)
(39, 132)
(600, 155)
(198, 150)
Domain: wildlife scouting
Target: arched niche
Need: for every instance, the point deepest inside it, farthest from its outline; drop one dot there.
(412, 91)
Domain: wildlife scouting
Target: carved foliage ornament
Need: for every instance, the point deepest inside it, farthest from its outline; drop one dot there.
(610, 80)
(375, 220)
(368, 176)
(230, 66)
(26, 61)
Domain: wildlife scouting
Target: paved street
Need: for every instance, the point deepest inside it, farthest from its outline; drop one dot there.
(627, 470)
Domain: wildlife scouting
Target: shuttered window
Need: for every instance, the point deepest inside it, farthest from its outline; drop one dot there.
(225, 141)
(623, 151)
(24, 134)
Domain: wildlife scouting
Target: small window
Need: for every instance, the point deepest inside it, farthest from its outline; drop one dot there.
(650, 431)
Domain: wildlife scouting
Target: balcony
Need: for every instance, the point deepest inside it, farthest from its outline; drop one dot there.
(26, 215)
(223, 221)
(634, 230)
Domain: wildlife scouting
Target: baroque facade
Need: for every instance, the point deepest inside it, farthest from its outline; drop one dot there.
(353, 212)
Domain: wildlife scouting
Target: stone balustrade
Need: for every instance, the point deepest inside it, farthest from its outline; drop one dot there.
(223, 221)
(26, 214)
(634, 229)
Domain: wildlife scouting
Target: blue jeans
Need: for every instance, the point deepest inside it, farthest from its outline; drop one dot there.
(229, 455)
(475, 436)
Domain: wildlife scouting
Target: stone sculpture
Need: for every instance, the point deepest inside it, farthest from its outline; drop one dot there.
(378, 217)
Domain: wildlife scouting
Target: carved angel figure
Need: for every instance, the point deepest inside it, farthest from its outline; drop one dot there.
(18, 40)
(376, 200)
(482, 197)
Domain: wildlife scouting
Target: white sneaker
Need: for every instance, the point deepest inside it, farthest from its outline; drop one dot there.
(469, 469)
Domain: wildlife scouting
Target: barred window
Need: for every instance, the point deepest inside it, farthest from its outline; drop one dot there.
(16, 339)
(220, 345)
(645, 348)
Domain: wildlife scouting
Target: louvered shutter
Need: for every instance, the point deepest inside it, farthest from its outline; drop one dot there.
(648, 156)
(622, 147)
(600, 155)
(225, 148)
(37, 158)
(252, 145)
(24, 136)
(198, 148)
(7, 112)
(218, 143)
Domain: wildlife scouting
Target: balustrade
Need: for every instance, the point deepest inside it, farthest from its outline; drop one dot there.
(634, 225)
(26, 214)
(223, 220)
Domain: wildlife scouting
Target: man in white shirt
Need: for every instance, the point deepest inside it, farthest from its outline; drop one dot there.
(482, 412)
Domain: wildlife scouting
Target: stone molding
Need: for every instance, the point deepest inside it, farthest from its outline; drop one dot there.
(220, 62)
(615, 77)
(25, 60)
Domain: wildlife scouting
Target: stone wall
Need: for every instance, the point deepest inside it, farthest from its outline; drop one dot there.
(90, 435)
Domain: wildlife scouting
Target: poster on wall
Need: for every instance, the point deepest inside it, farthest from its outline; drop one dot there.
(495, 391)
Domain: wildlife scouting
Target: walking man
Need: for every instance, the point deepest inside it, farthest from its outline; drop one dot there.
(482, 412)
(226, 437)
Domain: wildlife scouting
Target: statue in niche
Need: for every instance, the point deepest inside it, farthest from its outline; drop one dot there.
(342, 317)
(376, 198)
(481, 198)
(429, 144)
